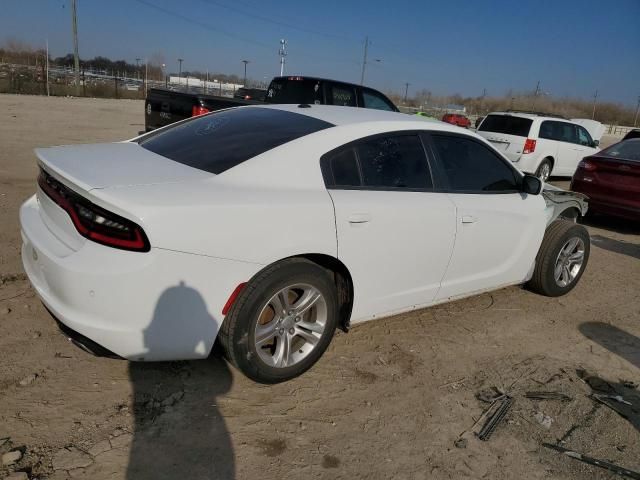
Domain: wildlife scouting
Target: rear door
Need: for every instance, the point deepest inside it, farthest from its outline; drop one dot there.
(507, 133)
(395, 233)
(498, 228)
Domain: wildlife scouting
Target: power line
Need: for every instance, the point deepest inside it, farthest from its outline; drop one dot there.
(247, 13)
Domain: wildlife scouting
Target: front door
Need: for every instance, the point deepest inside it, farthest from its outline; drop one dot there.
(498, 227)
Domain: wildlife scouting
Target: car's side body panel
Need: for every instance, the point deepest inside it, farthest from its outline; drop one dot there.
(396, 245)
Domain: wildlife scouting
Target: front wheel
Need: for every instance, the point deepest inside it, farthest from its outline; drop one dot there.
(561, 260)
(282, 322)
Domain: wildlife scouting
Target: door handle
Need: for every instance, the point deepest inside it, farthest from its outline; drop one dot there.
(469, 219)
(359, 218)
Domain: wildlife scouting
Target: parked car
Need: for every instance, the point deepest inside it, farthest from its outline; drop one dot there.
(250, 94)
(456, 119)
(163, 107)
(540, 143)
(611, 179)
(635, 133)
(268, 227)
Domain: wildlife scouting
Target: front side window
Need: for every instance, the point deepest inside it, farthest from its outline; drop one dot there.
(472, 167)
(583, 137)
(375, 101)
(387, 162)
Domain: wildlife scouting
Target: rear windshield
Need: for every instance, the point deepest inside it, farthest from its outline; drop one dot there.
(283, 90)
(506, 124)
(627, 150)
(220, 141)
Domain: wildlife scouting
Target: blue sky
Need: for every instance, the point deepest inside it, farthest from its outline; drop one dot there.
(572, 46)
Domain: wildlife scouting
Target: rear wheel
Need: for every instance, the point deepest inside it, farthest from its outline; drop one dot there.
(282, 322)
(561, 260)
(544, 170)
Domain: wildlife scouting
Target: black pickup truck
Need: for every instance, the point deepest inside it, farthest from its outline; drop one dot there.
(163, 107)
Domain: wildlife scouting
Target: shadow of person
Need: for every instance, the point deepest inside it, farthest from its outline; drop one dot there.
(614, 339)
(179, 432)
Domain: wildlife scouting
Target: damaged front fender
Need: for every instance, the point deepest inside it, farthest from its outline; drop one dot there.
(563, 203)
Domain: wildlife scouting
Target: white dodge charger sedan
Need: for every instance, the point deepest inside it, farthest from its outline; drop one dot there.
(268, 227)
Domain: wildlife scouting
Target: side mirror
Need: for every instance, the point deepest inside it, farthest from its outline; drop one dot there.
(531, 184)
(595, 143)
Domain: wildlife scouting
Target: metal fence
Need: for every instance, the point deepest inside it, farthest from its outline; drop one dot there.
(60, 81)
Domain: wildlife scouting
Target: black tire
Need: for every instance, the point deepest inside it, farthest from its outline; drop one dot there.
(545, 163)
(236, 335)
(555, 238)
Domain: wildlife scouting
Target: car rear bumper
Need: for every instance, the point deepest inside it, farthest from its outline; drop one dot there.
(158, 305)
(604, 204)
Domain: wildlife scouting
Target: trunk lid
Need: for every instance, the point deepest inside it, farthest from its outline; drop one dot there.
(85, 169)
(104, 165)
(613, 180)
(507, 133)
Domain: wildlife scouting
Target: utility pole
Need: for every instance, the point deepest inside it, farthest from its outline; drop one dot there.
(138, 68)
(245, 72)
(47, 63)
(76, 59)
(595, 98)
(364, 59)
(535, 94)
(180, 70)
(406, 90)
(283, 53)
(635, 120)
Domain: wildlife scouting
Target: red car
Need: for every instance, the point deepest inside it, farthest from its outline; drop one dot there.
(456, 119)
(611, 180)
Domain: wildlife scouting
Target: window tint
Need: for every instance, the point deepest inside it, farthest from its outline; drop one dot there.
(394, 161)
(345, 169)
(583, 137)
(506, 124)
(284, 90)
(217, 142)
(567, 132)
(471, 166)
(342, 95)
(375, 101)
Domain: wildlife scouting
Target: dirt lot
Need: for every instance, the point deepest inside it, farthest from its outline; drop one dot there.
(394, 398)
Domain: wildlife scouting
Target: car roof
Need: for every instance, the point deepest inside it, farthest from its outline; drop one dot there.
(532, 115)
(350, 115)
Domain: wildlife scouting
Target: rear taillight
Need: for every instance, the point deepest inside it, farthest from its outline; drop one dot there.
(198, 110)
(94, 222)
(587, 165)
(529, 146)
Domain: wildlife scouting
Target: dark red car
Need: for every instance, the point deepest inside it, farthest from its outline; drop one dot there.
(456, 119)
(611, 180)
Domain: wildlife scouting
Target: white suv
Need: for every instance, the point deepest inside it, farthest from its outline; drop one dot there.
(541, 144)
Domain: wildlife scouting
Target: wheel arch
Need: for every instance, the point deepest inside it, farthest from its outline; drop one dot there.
(343, 280)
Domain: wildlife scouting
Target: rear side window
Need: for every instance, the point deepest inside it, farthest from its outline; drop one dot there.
(506, 124)
(375, 101)
(472, 167)
(342, 95)
(386, 162)
(286, 90)
(220, 141)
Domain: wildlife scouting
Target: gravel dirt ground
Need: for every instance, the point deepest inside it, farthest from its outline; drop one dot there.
(394, 398)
